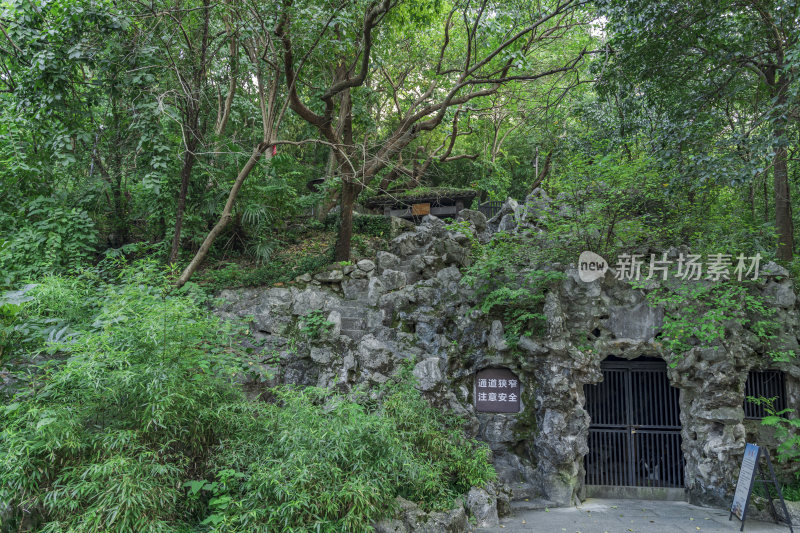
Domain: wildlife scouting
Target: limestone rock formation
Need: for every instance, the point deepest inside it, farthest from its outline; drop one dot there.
(409, 304)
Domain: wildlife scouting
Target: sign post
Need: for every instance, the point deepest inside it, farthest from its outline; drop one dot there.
(751, 468)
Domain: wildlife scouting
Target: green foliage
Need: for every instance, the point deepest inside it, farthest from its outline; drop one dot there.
(45, 238)
(787, 430)
(315, 325)
(104, 437)
(9, 316)
(368, 225)
(698, 314)
(496, 177)
(281, 269)
(137, 426)
(267, 203)
(599, 210)
(791, 492)
(315, 461)
(508, 282)
(424, 193)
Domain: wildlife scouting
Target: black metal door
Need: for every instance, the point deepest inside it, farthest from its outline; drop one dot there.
(635, 430)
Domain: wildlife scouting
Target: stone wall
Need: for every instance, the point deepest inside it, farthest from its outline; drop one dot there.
(409, 303)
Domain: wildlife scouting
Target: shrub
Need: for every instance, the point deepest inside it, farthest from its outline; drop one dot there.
(363, 224)
(139, 427)
(280, 269)
(508, 282)
(46, 238)
(103, 439)
(697, 314)
(315, 324)
(315, 461)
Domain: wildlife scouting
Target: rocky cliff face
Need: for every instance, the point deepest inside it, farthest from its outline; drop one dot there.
(409, 303)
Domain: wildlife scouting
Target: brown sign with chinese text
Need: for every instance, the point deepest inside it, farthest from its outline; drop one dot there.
(497, 390)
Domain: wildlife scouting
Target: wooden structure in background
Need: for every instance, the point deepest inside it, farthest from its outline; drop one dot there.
(443, 203)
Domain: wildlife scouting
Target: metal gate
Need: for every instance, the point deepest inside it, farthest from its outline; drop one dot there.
(634, 435)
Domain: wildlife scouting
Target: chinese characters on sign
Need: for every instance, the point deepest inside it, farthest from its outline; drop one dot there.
(497, 391)
(689, 267)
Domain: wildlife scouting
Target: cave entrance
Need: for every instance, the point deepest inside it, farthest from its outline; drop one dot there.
(635, 430)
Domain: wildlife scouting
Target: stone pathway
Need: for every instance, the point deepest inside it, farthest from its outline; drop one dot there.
(624, 516)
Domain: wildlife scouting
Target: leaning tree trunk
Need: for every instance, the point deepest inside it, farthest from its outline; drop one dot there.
(226, 214)
(349, 194)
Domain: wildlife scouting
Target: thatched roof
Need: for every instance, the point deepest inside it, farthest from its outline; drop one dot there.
(432, 195)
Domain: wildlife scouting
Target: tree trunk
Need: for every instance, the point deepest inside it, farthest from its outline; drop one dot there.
(783, 205)
(186, 174)
(225, 217)
(349, 194)
(765, 190)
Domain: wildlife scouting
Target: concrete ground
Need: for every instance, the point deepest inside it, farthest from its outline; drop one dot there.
(624, 516)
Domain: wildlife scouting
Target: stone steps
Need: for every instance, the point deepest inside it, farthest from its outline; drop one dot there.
(357, 296)
(405, 266)
(352, 322)
(531, 504)
(354, 334)
(350, 309)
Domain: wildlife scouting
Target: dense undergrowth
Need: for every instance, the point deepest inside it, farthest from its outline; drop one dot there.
(300, 252)
(130, 420)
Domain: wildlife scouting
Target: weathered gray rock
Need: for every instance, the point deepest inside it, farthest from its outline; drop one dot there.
(366, 265)
(531, 346)
(309, 300)
(335, 319)
(476, 218)
(387, 260)
(406, 244)
(497, 430)
(398, 226)
(781, 293)
(794, 511)
(331, 276)
(497, 340)
(418, 521)
(638, 321)
(321, 355)
(449, 274)
(433, 224)
(483, 506)
(358, 274)
(538, 205)
(429, 375)
(773, 270)
(455, 254)
(375, 289)
(392, 279)
(412, 304)
(390, 526)
(508, 213)
(353, 288)
(508, 223)
(373, 353)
